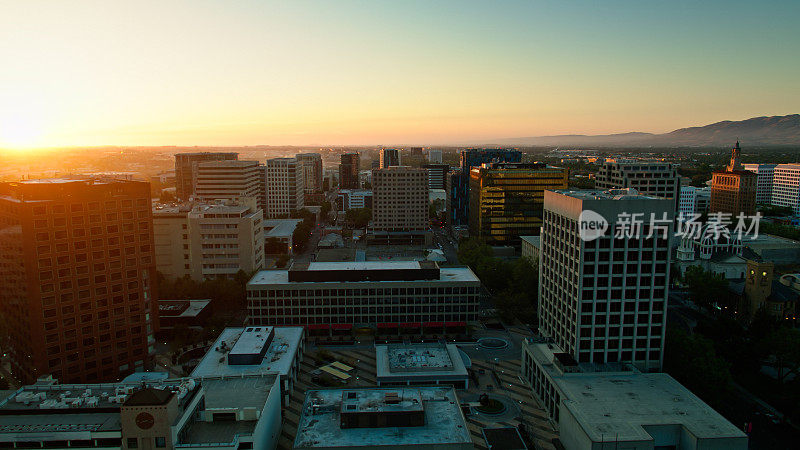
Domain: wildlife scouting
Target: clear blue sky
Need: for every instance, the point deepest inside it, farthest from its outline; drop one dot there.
(385, 72)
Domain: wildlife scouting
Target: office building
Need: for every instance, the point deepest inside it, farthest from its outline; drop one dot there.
(733, 190)
(457, 202)
(399, 205)
(145, 413)
(183, 313)
(255, 350)
(786, 187)
(659, 179)
(230, 180)
(693, 200)
(764, 179)
(506, 199)
(389, 157)
(345, 294)
(437, 175)
(400, 418)
(433, 156)
(477, 157)
(604, 300)
(284, 187)
(348, 171)
(531, 246)
(420, 364)
(208, 240)
(616, 406)
(78, 271)
(186, 170)
(312, 171)
(348, 199)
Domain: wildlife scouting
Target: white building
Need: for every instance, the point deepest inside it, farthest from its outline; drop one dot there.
(764, 179)
(362, 293)
(786, 186)
(616, 406)
(228, 180)
(434, 156)
(285, 186)
(604, 300)
(693, 200)
(208, 240)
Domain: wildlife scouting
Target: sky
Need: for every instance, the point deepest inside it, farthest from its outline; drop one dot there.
(339, 72)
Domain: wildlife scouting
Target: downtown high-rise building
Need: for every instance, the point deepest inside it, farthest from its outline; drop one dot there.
(764, 177)
(349, 167)
(186, 169)
(777, 184)
(659, 179)
(389, 157)
(475, 157)
(285, 187)
(437, 175)
(312, 171)
(733, 190)
(603, 296)
(399, 204)
(506, 199)
(229, 180)
(78, 272)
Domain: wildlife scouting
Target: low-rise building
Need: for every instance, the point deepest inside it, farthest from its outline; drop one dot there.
(615, 406)
(414, 364)
(281, 230)
(256, 351)
(362, 293)
(187, 413)
(342, 419)
(348, 199)
(190, 313)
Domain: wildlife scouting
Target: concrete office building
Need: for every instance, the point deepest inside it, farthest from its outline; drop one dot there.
(400, 418)
(255, 350)
(416, 364)
(604, 300)
(225, 413)
(658, 179)
(348, 199)
(506, 199)
(230, 180)
(77, 267)
(437, 175)
(186, 170)
(434, 156)
(786, 187)
(477, 157)
(733, 190)
(399, 205)
(208, 240)
(348, 171)
(531, 246)
(616, 406)
(388, 157)
(312, 171)
(764, 179)
(284, 187)
(362, 293)
(693, 200)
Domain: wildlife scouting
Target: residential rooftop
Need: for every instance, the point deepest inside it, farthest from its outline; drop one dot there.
(320, 423)
(277, 359)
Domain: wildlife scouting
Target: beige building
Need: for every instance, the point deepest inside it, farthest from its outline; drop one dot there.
(400, 204)
(285, 187)
(228, 180)
(208, 240)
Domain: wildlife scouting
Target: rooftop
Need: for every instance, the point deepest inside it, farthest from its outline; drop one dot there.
(610, 194)
(320, 423)
(453, 274)
(280, 227)
(181, 308)
(278, 358)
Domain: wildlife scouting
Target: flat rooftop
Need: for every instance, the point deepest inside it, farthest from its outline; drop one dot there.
(407, 358)
(454, 274)
(374, 400)
(181, 308)
(398, 362)
(280, 227)
(319, 425)
(278, 358)
(251, 341)
(623, 405)
(610, 194)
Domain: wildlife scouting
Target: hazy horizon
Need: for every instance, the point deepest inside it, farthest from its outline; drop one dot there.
(349, 73)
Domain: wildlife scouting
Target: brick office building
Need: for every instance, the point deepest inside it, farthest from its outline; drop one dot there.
(78, 271)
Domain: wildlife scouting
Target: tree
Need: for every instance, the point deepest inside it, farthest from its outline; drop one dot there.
(282, 261)
(434, 208)
(784, 345)
(301, 235)
(358, 217)
(693, 362)
(325, 210)
(707, 289)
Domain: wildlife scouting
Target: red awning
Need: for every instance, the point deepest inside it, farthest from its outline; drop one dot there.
(318, 326)
(342, 326)
(455, 324)
(387, 325)
(433, 324)
(410, 325)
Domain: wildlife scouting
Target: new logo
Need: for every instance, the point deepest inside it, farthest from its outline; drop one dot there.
(592, 225)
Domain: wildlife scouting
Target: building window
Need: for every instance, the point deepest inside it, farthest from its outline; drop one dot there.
(133, 443)
(161, 442)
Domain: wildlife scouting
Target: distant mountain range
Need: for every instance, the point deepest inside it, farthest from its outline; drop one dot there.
(775, 130)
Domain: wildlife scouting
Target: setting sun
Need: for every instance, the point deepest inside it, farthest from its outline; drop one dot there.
(19, 133)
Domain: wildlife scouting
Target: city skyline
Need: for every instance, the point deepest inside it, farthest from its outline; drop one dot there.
(350, 73)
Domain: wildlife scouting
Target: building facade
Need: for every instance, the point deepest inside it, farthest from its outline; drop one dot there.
(348, 171)
(312, 171)
(437, 175)
(209, 240)
(457, 202)
(399, 202)
(230, 180)
(434, 156)
(658, 179)
(348, 199)
(285, 187)
(362, 293)
(764, 179)
(604, 300)
(786, 187)
(506, 199)
(477, 157)
(693, 200)
(388, 157)
(186, 170)
(733, 191)
(78, 271)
